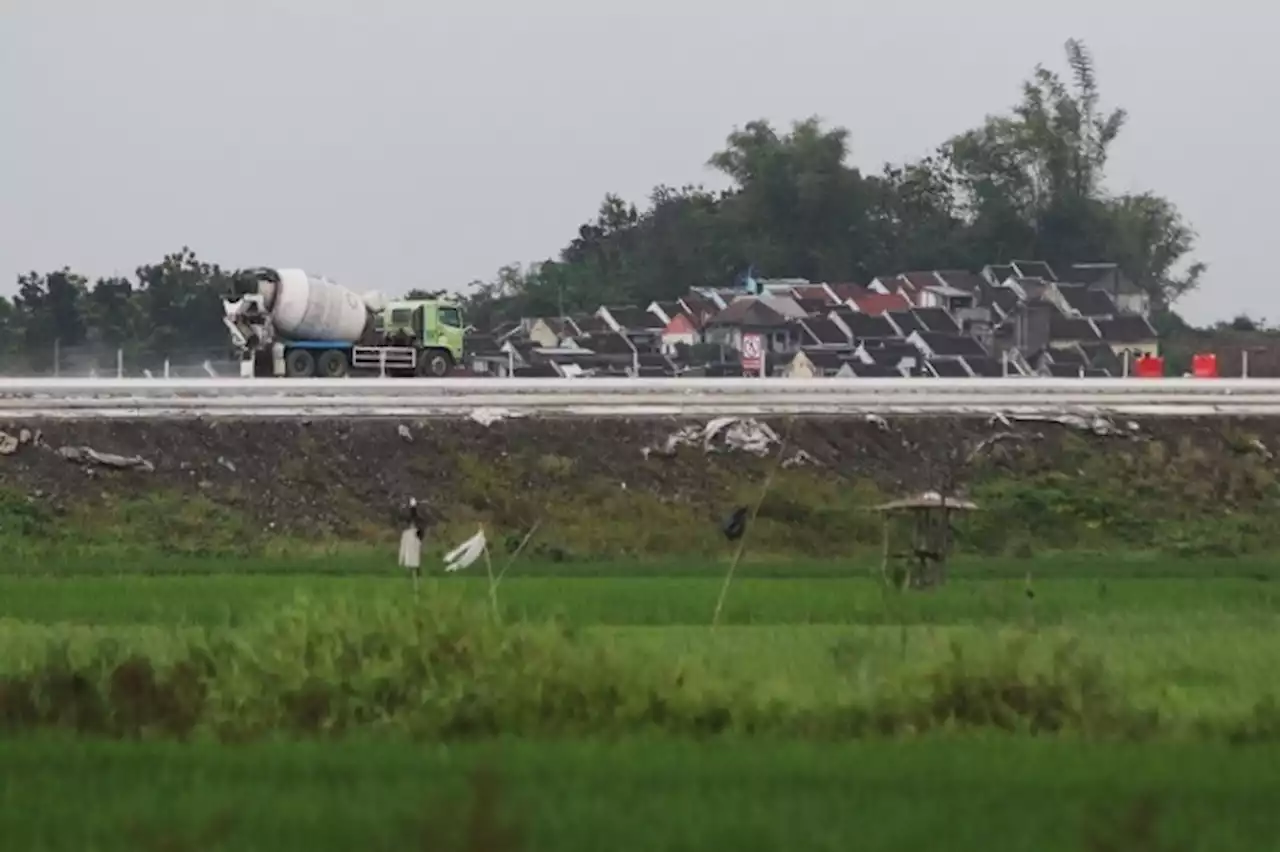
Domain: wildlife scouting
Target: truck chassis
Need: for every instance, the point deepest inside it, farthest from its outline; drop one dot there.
(329, 360)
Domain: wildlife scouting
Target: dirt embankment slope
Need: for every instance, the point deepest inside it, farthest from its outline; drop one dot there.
(621, 486)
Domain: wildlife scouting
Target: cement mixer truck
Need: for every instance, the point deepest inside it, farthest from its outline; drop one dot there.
(284, 322)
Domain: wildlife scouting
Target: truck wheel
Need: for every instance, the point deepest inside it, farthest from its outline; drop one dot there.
(332, 364)
(299, 364)
(434, 364)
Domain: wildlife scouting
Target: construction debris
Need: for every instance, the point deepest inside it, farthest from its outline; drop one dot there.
(1097, 424)
(929, 500)
(489, 416)
(88, 455)
(720, 435)
(999, 437)
(800, 458)
(9, 443)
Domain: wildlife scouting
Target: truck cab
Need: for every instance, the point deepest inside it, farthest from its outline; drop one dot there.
(423, 324)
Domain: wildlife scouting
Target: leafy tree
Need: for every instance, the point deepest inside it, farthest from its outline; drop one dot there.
(50, 312)
(1150, 240)
(1027, 184)
(179, 303)
(111, 312)
(1032, 185)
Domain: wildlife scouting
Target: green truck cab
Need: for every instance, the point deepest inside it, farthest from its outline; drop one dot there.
(433, 328)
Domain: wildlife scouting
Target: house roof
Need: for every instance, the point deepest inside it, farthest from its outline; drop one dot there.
(681, 323)
(504, 329)
(1000, 272)
(748, 312)
(607, 343)
(875, 371)
(1126, 329)
(1088, 301)
(961, 279)
(863, 326)
(536, 371)
(935, 319)
(988, 367)
(824, 332)
(1067, 355)
(670, 308)
(523, 349)
(951, 344)
(1099, 354)
(874, 304)
(658, 371)
(812, 291)
(893, 283)
(654, 360)
(1033, 287)
(1034, 269)
(1064, 371)
(784, 305)
(814, 306)
(890, 352)
(906, 320)
(561, 326)
(848, 290)
(590, 324)
(482, 344)
(949, 368)
(1062, 327)
(826, 359)
(699, 307)
(1094, 273)
(919, 280)
(635, 318)
(1002, 298)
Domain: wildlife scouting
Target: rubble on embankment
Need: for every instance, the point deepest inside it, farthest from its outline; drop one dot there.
(614, 486)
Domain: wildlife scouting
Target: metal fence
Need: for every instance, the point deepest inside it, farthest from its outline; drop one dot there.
(104, 362)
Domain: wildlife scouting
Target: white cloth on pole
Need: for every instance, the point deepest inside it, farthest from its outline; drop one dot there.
(466, 553)
(410, 549)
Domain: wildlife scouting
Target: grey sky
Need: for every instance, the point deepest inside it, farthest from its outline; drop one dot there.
(399, 143)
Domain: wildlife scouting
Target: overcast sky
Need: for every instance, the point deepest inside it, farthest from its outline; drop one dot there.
(400, 143)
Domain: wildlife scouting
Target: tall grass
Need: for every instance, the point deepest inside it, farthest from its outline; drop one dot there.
(445, 669)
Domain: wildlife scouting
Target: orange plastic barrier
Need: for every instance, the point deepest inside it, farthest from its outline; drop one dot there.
(1148, 367)
(1204, 365)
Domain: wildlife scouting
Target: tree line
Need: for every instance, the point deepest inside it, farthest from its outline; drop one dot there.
(1027, 184)
(169, 307)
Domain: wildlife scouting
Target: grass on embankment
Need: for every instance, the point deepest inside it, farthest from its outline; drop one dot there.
(961, 795)
(1191, 489)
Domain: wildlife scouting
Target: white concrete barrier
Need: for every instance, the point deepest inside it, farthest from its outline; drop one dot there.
(157, 398)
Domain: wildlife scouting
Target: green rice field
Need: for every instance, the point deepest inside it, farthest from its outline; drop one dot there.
(1074, 702)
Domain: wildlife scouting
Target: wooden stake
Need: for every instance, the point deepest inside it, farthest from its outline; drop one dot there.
(742, 544)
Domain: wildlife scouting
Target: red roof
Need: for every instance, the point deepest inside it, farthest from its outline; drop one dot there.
(874, 304)
(848, 291)
(681, 324)
(812, 291)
